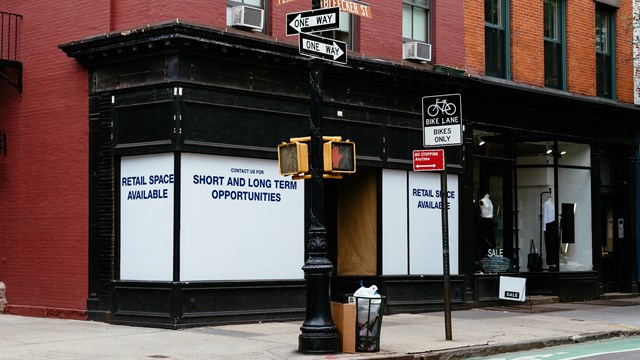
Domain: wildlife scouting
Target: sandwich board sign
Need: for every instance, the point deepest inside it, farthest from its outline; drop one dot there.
(512, 288)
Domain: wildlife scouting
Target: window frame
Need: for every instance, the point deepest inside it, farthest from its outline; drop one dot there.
(560, 41)
(503, 24)
(428, 28)
(609, 14)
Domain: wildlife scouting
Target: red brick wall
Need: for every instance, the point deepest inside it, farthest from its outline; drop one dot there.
(581, 47)
(527, 42)
(449, 39)
(43, 178)
(135, 13)
(381, 35)
(527, 45)
(474, 37)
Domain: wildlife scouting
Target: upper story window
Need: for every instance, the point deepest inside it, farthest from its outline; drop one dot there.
(605, 54)
(251, 17)
(496, 39)
(347, 32)
(553, 44)
(415, 20)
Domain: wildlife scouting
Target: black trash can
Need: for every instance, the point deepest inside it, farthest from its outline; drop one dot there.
(369, 322)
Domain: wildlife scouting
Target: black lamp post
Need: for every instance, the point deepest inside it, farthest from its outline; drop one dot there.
(318, 332)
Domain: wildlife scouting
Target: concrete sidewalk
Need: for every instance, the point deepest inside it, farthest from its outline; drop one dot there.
(475, 332)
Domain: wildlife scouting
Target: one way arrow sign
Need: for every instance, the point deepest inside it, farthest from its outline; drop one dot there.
(313, 20)
(323, 48)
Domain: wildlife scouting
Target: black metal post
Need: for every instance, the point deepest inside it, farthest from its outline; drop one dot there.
(319, 334)
(444, 195)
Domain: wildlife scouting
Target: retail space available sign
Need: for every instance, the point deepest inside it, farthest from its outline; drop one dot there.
(238, 218)
(428, 160)
(442, 120)
(146, 217)
(413, 246)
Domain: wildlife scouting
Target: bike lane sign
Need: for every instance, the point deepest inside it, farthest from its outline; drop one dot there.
(442, 120)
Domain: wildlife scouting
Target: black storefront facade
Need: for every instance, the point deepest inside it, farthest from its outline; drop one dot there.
(175, 105)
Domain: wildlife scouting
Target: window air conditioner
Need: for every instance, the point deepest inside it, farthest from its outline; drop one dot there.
(417, 51)
(247, 16)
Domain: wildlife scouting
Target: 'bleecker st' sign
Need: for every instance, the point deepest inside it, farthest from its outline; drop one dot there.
(442, 120)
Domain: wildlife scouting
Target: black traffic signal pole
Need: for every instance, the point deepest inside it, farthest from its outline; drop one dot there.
(318, 332)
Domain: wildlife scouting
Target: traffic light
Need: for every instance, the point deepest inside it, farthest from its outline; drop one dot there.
(293, 158)
(339, 157)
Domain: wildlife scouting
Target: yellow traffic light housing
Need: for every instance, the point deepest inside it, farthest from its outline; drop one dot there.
(293, 158)
(339, 157)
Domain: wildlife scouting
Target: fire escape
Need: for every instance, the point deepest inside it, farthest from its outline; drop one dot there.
(10, 67)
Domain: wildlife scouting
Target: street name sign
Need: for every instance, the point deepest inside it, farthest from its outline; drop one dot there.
(323, 48)
(428, 160)
(442, 120)
(313, 21)
(354, 7)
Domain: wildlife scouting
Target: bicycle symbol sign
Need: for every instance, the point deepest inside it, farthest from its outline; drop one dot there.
(442, 120)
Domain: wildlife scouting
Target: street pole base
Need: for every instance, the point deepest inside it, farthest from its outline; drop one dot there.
(319, 343)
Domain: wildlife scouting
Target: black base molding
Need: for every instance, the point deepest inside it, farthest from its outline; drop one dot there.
(177, 305)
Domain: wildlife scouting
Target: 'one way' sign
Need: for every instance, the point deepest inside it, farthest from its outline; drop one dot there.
(323, 48)
(313, 21)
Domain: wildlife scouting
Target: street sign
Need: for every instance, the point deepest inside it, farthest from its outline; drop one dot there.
(323, 48)
(442, 120)
(428, 160)
(313, 20)
(355, 7)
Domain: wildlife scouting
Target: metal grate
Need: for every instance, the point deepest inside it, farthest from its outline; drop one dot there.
(9, 36)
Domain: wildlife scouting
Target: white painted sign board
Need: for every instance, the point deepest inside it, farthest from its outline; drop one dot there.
(512, 288)
(442, 120)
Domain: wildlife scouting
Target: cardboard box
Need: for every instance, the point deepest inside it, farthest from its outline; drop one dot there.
(344, 316)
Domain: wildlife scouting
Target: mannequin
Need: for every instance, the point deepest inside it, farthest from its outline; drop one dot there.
(487, 232)
(550, 228)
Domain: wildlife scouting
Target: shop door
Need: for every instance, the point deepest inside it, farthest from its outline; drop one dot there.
(494, 236)
(613, 247)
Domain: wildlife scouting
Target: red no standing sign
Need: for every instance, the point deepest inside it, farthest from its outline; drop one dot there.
(428, 160)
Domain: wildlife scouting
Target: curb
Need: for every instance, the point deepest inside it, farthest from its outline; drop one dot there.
(487, 350)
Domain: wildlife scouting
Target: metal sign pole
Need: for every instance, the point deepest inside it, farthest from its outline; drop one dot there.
(444, 195)
(318, 333)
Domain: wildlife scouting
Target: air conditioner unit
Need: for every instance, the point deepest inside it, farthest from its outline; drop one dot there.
(417, 51)
(247, 17)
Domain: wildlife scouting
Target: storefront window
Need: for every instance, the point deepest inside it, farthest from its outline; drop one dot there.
(554, 204)
(574, 197)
